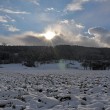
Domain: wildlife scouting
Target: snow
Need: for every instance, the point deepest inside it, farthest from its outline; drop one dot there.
(62, 65)
(49, 87)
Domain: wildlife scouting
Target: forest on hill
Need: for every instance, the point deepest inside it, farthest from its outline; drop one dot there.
(17, 54)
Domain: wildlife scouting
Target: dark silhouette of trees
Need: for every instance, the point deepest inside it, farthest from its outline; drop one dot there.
(89, 56)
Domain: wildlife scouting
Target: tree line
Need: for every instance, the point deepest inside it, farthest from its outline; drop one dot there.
(18, 54)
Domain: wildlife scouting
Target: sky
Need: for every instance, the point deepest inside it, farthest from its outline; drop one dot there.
(73, 22)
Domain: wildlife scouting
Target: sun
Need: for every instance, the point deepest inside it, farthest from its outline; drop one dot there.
(49, 35)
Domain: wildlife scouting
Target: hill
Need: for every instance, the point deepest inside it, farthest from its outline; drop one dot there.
(17, 54)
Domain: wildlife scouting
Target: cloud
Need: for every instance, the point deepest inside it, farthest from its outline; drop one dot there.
(10, 19)
(36, 2)
(80, 26)
(11, 28)
(98, 31)
(101, 0)
(68, 29)
(13, 12)
(64, 21)
(50, 9)
(26, 38)
(6, 19)
(77, 5)
(45, 18)
(31, 38)
(73, 33)
(101, 35)
(67, 33)
(3, 19)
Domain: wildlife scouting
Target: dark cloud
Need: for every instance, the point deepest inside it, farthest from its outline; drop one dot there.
(31, 40)
(101, 35)
(98, 30)
(96, 37)
(39, 41)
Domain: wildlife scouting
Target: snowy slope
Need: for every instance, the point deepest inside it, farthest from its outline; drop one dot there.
(46, 68)
(53, 66)
(61, 65)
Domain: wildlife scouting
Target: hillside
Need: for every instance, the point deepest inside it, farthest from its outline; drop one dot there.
(17, 54)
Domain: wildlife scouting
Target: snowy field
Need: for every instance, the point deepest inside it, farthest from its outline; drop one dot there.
(23, 88)
(53, 67)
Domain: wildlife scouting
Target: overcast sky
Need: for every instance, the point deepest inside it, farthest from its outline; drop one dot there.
(75, 22)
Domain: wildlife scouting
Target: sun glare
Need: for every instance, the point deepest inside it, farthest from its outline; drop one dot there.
(49, 35)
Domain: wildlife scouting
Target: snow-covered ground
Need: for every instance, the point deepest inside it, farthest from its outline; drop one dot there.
(23, 88)
(62, 66)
